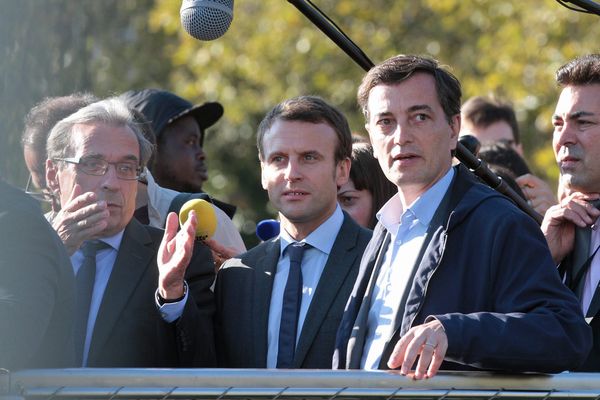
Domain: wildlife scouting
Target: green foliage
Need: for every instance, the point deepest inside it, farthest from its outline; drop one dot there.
(272, 52)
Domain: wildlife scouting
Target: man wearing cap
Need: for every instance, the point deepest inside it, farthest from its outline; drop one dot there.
(178, 169)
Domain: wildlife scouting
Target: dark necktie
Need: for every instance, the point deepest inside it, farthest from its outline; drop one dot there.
(292, 298)
(86, 276)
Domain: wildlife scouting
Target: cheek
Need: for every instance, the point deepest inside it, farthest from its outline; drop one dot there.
(555, 143)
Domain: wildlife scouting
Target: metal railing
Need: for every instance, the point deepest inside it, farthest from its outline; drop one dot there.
(287, 384)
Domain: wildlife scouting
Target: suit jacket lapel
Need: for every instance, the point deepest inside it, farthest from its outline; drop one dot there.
(133, 259)
(336, 269)
(266, 266)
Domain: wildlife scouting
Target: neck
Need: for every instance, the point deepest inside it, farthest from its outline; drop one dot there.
(299, 230)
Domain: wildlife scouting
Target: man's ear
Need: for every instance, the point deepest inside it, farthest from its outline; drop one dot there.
(343, 172)
(263, 179)
(52, 176)
(455, 128)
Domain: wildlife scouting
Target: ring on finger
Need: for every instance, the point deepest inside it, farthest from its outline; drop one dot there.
(429, 344)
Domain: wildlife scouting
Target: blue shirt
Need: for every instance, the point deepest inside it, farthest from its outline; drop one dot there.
(407, 229)
(105, 260)
(313, 264)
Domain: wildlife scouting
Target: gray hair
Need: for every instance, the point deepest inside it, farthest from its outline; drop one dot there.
(111, 111)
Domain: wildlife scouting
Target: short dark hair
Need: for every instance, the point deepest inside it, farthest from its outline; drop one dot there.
(366, 173)
(40, 120)
(584, 70)
(502, 154)
(483, 112)
(399, 68)
(311, 109)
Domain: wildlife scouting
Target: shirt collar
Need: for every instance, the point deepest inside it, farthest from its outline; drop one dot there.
(422, 208)
(321, 238)
(114, 241)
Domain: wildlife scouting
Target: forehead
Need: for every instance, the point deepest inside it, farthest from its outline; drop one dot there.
(109, 141)
(186, 125)
(299, 137)
(419, 89)
(498, 130)
(579, 98)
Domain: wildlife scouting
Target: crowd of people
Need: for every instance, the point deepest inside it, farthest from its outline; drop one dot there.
(389, 256)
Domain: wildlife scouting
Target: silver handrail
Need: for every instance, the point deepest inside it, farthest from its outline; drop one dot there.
(284, 384)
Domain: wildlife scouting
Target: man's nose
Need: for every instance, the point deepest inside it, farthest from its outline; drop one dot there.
(401, 134)
(566, 134)
(110, 180)
(292, 171)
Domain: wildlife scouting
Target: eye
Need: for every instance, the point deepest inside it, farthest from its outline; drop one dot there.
(421, 117)
(557, 123)
(126, 168)
(310, 157)
(346, 201)
(384, 122)
(93, 164)
(277, 159)
(583, 122)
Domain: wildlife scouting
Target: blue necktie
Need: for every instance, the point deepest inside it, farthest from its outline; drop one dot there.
(292, 298)
(86, 276)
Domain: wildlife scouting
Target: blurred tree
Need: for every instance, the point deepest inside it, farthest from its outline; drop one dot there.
(272, 52)
(56, 47)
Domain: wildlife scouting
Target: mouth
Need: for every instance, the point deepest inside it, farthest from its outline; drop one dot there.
(202, 171)
(114, 206)
(568, 161)
(294, 194)
(405, 158)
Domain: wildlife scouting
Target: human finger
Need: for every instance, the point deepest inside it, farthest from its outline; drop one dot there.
(398, 354)
(426, 354)
(171, 225)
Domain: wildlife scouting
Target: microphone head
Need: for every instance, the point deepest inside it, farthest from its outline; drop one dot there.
(206, 19)
(267, 229)
(471, 143)
(205, 214)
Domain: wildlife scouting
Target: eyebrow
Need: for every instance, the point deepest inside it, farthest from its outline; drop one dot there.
(575, 115)
(419, 107)
(416, 107)
(101, 157)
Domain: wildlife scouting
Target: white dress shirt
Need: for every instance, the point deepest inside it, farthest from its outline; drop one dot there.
(407, 230)
(592, 277)
(313, 264)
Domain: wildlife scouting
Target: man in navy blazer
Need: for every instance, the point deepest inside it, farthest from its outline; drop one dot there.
(304, 147)
(571, 227)
(455, 276)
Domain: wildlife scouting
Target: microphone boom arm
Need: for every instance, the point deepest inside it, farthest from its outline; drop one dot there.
(478, 167)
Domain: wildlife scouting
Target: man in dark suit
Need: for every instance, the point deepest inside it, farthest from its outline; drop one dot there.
(571, 226)
(94, 160)
(274, 310)
(36, 287)
(455, 275)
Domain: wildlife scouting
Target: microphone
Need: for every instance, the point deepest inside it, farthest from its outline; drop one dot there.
(267, 229)
(471, 143)
(206, 19)
(205, 214)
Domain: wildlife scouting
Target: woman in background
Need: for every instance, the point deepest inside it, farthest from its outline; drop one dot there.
(368, 189)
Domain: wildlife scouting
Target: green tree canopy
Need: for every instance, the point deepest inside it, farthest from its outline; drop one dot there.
(271, 52)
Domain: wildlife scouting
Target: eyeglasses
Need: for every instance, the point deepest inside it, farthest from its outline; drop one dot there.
(126, 170)
(38, 194)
